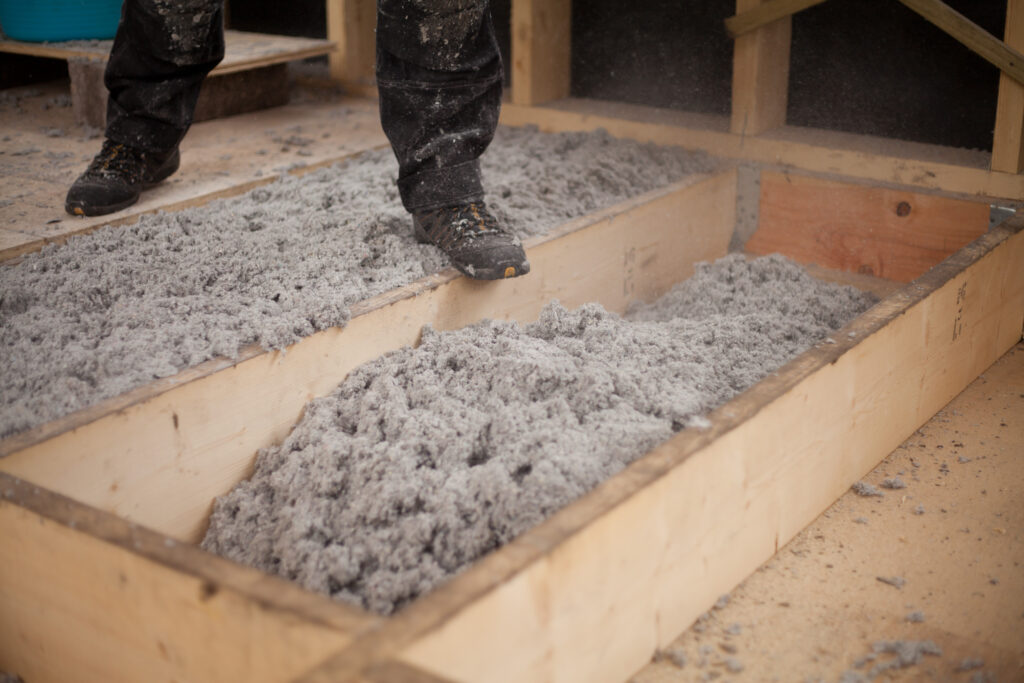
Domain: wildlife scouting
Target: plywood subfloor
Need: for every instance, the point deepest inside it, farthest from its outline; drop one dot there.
(243, 49)
(816, 607)
(42, 151)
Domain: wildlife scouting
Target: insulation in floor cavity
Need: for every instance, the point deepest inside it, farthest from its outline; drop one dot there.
(425, 459)
(122, 306)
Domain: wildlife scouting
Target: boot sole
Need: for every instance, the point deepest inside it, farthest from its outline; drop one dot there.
(494, 273)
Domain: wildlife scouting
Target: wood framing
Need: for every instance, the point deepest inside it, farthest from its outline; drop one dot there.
(221, 95)
(91, 597)
(118, 493)
(712, 505)
(765, 13)
(996, 52)
(810, 150)
(243, 50)
(1008, 141)
(351, 25)
(541, 47)
(197, 433)
(893, 234)
(760, 74)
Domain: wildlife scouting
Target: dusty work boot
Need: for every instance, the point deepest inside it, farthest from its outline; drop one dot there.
(115, 178)
(469, 234)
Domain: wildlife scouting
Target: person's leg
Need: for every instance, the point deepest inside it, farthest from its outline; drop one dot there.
(439, 76)
(161, 54)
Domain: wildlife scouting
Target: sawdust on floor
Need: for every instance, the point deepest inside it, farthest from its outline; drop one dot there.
(816, 612)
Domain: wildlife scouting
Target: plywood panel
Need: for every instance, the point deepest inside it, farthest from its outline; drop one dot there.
(892, 234)
(243, 50)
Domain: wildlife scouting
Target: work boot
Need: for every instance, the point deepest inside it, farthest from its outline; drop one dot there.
(469, 234)
(115, 178)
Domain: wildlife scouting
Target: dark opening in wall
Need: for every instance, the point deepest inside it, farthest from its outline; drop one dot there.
(880, 69)
(662, 53)
(860, 66)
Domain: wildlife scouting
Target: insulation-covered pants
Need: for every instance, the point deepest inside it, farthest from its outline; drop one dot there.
(439, 76)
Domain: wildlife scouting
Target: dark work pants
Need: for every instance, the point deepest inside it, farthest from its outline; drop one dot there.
(438, 73)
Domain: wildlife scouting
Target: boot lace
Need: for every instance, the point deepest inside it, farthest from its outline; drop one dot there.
(118, 160)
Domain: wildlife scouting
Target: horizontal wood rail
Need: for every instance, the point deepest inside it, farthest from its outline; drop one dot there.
(765, 13)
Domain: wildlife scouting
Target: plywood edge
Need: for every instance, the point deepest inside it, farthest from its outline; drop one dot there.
(200, 437)
(893, 233)
(521, 612)
(797, 153)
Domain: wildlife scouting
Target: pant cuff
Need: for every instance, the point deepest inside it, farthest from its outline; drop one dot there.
(438, 187)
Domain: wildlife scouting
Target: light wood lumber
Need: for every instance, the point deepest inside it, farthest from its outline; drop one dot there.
(591, 594)
(541, 46)
(1008, 141)
(760, 74)
(801, 150)
(197, 433)
(85, 596)
(893, 234)
(243, 50)
(765, 13)
(351, 25)
(978, 40)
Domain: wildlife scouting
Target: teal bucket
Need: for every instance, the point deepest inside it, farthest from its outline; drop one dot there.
(54, 20)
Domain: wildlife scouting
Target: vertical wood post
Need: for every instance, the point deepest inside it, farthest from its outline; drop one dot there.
(760, 75)
(541, 37)
(1008, 141)
(351, 24)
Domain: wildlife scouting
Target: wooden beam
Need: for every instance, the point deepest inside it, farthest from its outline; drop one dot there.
(1008, 141)
(760, 75)
(541, 50)
(197, 433)
(894, 234)
(712, 505)
(351, 25)
(977, 39)
(243, 50)
(85, 596)
(765, 13)
(819, 151)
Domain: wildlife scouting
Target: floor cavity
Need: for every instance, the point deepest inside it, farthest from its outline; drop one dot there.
(425, 459)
